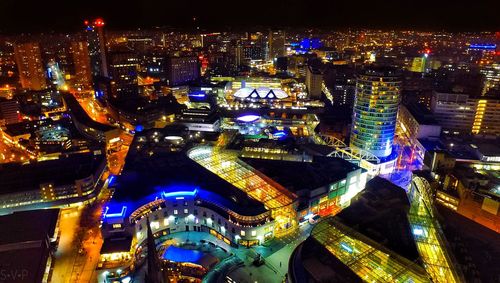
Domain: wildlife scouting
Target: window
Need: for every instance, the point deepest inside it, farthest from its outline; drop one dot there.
(242, 233)
(254, 233)
(204, 214)
(185, 203)
(176, 212)
(186, 211)
(195, 212)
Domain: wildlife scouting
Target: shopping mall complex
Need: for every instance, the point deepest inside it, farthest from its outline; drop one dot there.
(180, 185)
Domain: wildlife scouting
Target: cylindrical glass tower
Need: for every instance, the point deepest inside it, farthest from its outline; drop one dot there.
(375, 110)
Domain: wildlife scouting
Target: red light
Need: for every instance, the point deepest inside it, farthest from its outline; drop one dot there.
(99, 22)
(200, 57)
(427, 51)
(86, 22)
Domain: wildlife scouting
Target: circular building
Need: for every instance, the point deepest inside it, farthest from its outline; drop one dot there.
(375, 110)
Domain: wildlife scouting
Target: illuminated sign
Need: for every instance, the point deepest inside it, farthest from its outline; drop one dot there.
(483, 46)
(248, 118)
(180, 193)
(120, 214)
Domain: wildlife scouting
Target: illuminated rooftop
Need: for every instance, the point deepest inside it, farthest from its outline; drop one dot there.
(369, 260)
(228, 166)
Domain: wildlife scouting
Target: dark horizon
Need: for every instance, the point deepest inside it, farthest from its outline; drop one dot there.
(65, 16)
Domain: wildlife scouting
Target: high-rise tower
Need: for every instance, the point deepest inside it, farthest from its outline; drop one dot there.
(30, 66)
(97, 47)
(375, 110)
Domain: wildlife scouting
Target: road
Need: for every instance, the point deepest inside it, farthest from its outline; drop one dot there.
(80, 242)
(66, 252)
(9, 153)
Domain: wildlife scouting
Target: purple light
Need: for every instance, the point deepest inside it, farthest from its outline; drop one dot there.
(248, 118)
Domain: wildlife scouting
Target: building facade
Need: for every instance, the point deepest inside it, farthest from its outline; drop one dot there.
(81, 59)
(463, 114)
(30, 66)
(375, 110)
(181, 70)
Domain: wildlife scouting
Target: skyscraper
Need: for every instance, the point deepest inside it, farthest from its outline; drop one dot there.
(181, 70)
(30, 66)
(81, 59)
(375, 110)
(276, 42)
(97, 47)
(123, 71)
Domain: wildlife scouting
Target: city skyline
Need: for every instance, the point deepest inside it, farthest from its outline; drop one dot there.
(222, 150)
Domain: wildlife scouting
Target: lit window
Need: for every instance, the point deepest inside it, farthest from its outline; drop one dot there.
(242, 233)
(186, 211)
(176, 212)
(254, 233)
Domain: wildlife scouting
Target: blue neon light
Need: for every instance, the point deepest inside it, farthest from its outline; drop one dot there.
(346, 247)
(279, 134)
(483, 46)
(111, 180)
(199, 94)
(121, 214)
(139, 128)
(180, 193)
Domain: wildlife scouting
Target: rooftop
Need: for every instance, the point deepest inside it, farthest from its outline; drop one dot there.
(166, 171)
(16, 177)
(25, 248)
(297, 176)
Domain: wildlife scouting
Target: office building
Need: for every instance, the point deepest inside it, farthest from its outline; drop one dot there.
(276, 44)
(375, 110)
(67, 180)
(459, 113)
(314, 82)
(418, 64)
(81, 60)
(253, 51)
(10, 111)
(182, 70)
(123, 69)
(30, 66)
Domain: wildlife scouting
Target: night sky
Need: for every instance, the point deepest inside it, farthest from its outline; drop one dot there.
(68, 15)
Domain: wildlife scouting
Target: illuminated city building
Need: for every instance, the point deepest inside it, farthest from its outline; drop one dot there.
(419, 63)
(81, 59)
(123, 69)
(9, 111)
(491, 77)
(314, 80)
(96, 47)
(85, 125)
(415, 122)
(276, 44)
(66, 180)
(182, 70)
(240, 200)
(357, 247)
(465, 114)
(278, 103)
(30, 66)
(375, 110)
